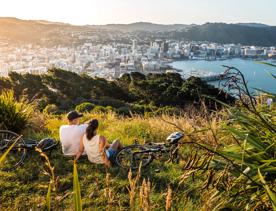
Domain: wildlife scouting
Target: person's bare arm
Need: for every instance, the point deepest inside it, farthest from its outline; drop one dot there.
(102, 145)
(80, 150)
(107, 145)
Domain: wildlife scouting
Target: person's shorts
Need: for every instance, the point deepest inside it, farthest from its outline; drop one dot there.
(111, 154)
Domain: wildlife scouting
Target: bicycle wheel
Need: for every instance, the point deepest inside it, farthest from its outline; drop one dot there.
(130, 157)
(16, 155)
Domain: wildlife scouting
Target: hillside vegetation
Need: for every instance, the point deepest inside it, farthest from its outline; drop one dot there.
(178, 186)
(133, 92)
(227, 159)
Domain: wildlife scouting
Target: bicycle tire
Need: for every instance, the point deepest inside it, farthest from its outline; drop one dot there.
(123, 161)
(17, 154)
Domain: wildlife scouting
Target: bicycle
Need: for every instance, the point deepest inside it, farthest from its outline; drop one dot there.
(131, 157)
(17, 154)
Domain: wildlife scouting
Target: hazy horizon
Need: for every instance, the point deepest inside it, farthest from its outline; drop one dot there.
(95, 12)
(132, 22)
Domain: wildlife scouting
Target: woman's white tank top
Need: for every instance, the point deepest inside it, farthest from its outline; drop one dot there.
(92, 149)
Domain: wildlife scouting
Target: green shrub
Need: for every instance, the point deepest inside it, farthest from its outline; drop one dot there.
(85, 107)
(100, 109)
(138, 109)
(109, 108)
(123, 111)
(252, 155)
(51, 109)
(253, 158)
(141, 109)
(14, 115)
(42, 103)
(111, 102)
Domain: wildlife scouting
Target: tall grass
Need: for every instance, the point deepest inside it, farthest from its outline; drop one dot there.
(145, 190)
(133, 186)
(269, 192)
(4, 156)
(154, 128)
(169, 199)
(108, 193)
(50, 172)
(143, 128)
(253, 128)
(76, 189)
(253, 152)
(243, 170)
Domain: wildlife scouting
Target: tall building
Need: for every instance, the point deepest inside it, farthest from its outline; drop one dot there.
(165, 47)
(134, 46)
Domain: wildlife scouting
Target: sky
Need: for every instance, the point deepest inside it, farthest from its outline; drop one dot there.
(81, 12)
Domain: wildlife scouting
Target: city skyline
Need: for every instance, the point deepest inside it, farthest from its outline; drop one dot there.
(97, 12)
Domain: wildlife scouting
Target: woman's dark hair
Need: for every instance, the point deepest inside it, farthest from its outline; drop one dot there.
(92, 127)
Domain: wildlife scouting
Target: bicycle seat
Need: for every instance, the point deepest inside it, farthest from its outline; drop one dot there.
(174, 137)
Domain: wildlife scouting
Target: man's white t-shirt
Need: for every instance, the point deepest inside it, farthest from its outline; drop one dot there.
(269, 102)
(70, 136)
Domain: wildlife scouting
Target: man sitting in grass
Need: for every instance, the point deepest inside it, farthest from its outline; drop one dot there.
(71, 134)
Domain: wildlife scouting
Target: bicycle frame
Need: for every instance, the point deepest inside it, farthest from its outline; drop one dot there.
(155, 148)
(136, 155)
(21, 148)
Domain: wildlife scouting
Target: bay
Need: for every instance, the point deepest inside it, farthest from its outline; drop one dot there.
(256, 74)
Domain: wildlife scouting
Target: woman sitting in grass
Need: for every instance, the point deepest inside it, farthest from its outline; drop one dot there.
(97, 148)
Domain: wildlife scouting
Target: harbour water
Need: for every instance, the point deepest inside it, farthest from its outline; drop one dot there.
(255, 73)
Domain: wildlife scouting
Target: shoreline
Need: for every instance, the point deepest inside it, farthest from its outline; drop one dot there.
(226, 59)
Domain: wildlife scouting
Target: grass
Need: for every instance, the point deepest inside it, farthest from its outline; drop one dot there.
(50, 172)
(76, 189)
(30, 185)
(161, 186)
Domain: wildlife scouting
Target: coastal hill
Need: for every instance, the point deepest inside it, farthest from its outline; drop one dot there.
(143, 26)
(35, 31)
(251, 34)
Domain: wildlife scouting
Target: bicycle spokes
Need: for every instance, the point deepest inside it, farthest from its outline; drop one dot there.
(132, 156)
(16, 155)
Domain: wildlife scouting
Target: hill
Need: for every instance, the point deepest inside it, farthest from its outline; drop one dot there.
(230, 33)
(29, 31)
(259, 25)
(226, 160)
(200, 181)
(45, 32)
(142, 26)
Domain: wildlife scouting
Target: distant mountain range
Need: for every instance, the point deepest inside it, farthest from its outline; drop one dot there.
(18, 30)
(147, 26)
(259, 25)
(142, 26)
